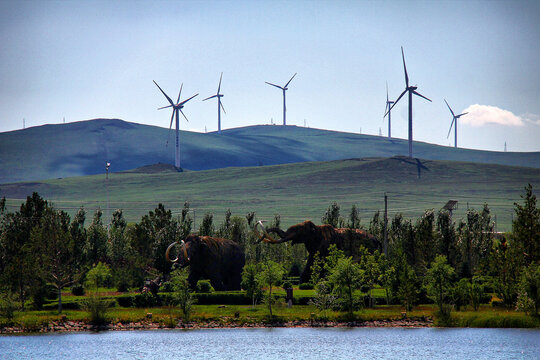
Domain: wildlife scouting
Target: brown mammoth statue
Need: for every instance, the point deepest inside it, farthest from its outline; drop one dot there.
(319, 238)
(219, 260)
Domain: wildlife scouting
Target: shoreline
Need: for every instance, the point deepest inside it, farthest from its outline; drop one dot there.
(79, 326)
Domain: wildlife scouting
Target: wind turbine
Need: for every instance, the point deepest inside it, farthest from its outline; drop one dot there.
(176, 109)
(454, 119)
(220, 105)
(387, 111)
(411, 90)
(283, 88)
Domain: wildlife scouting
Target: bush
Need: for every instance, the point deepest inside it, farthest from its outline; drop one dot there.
(125, 300)
(286, 284)
(145, 300)
(77, 290)
(97, 308)
(306, 286)
(166, 287)
(204, 286)
(8, 305)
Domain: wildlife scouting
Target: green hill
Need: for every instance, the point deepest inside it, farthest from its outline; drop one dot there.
(82, 148)
(295, 191)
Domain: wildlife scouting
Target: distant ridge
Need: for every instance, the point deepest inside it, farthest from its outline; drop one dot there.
(82, 148)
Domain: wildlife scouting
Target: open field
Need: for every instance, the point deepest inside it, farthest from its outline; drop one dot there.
(295, 191)
(83, 148)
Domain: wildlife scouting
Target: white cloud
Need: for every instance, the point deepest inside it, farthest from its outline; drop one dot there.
(479, 115)
(531, 118)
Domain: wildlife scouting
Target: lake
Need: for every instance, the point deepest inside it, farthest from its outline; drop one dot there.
(279, 343)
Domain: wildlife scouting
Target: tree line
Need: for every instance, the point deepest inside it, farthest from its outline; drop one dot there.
(451, 262)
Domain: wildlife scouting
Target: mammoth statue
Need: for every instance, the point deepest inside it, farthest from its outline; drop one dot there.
(219, 260)
(319, 238)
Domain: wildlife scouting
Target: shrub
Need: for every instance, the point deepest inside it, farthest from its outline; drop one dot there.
(97, 308)
(166, 287)
(77, 290)
(145, 300)
(204, 286)
(286, 284)
(306, 286)
(8, 305)
(125, 300)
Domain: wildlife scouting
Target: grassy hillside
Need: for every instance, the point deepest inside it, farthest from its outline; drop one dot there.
(295, 191)
(82, 148)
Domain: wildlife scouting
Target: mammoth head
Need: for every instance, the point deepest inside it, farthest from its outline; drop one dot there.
(182, 260)
(297, 233)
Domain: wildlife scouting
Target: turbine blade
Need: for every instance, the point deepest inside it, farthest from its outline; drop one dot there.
(210, 97)
(163, 92)
(180, 93)
(460, 115)
(185, 101)
(449, 108)
(183, 115)
(454, 119)
(290, 80)
(395, 102)
(416, 93)
(219, 86)
(164, 107)
(222, 108)
(279, 87)
(172, 117)
(387, 99)
(405, 68)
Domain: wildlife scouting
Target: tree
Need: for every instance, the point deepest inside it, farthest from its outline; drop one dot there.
(370, 265)
(186, 222)
(182, 292)
(446, 234)
(54, 238)
(271, 276)
(531, 284)
(207, 225)
(78, 235)
(506, 264)
(251, 283)
(345, 279)
(439, 282)
(526, 226)
(424, 240)
(324, 299)
(332, 217)
(98, 276)
(354, 218)
(96, 241)
(407, 282)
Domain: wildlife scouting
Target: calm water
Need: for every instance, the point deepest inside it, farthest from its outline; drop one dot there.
(288, 343)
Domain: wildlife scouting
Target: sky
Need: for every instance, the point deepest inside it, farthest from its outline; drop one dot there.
(80, 60)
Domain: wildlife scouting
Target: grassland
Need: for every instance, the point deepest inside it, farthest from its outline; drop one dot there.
(295, 191)
(82, 148)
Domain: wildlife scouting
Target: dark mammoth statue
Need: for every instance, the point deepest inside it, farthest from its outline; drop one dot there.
(319, 238)
(219, 260)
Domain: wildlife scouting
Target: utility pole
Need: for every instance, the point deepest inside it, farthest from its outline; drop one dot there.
(385, 233)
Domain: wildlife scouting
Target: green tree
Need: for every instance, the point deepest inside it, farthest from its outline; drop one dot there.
(271, 275)
(186, 222)
(98, 276)
(345, 278)
(78, 234)
(530, 283)
(371, 267)
(324, 299)
(251, 283)
(477, 291)
(59, 265)
(354, 218)
(96, 241)
(425, 241)
(407, 283)
(506, 264)
(446, 237)
(526, 226)
(439, 282)
(182, 292)
(224, 230)
(207, 225)
(332, 217)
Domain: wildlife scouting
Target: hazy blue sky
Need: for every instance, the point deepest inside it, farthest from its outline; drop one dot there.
(92, 59)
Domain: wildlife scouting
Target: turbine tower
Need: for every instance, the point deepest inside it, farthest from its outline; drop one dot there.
(176, 109)
(283, 88)
(411, 90)
(454, 119)
(387, 111)
(220, 105)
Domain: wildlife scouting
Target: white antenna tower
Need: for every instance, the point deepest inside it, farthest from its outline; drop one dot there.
(505, 146)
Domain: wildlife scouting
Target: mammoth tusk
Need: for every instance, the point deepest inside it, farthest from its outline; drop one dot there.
(265, 236)
(169, 250)
(183, 244)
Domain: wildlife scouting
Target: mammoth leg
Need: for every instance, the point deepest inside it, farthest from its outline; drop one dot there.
(306, 275)
(193, 277)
